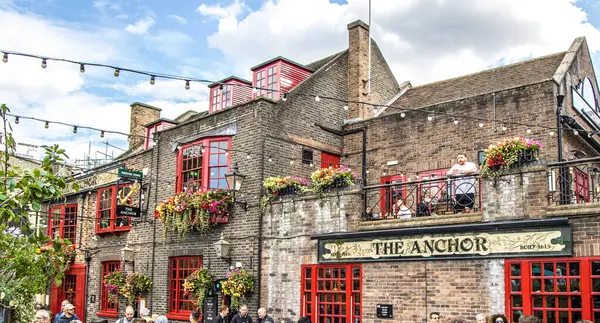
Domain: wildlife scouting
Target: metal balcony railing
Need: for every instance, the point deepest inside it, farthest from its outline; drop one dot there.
(574, 182)
(444, 195)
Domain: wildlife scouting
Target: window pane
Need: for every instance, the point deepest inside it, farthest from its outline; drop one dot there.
(517, 301)
(536, 285)
(548, 269)
(596, 285)
(575, 316)
(515, 285)
(561, 269)
(563, 301)
(515, 270)
(575, 301)
(548, 285)
(550, 317)
(574, 268)
(574, 282)
(537, 301)
(536, 269)
(563, 317)
(516, 315)
(550, 302)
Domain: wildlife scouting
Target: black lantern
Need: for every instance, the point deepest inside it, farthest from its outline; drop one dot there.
(234, 182)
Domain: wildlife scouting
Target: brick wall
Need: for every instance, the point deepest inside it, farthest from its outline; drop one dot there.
(141, 114)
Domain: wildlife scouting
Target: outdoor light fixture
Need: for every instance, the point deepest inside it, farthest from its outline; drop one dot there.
(44, 64)
(234, 182)
(128, 254)
(117, 72)
(223, 248)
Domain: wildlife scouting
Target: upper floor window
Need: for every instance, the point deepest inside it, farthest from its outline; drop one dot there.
(261, 82)
(272, 81)
(62, 222)
(154, 128)
(216, 99)
(203, 164)
(329, 160)
(106, 210)
(226, 96)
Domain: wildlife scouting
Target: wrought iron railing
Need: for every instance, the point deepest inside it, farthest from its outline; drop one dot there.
(574, 182)
(437, 196)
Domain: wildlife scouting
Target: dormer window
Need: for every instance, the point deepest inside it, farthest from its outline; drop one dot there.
(154, 127)
(229, 92)
(278, 75)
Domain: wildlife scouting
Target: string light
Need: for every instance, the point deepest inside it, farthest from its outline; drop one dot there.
(117, 72)
(75, 129)
(101, 134)
(284, 96)
(291, 162)
(429, 118)
(187, 84)
(481, 125)
(528, 130)
(5, 58)
(575, 132)
(551, 133)
(402, 115)
(152, 80)
(254, 91)
(47, 125)
(202, 149)
(317, 98)
(16, 120)
(504, 128)
(270, 159)
(81, 68)
(44, 63)
(310, 165)
(455, 121)
(248, 157)
(590, 134)
(346, 107)
(226, 153)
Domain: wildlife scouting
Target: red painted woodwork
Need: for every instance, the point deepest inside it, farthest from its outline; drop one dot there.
(199, 171)
(62, 222)
(180, 305)
(108, 308)
(151, 129)
(235, 91)
(279, 75)
(106, 212)
(559, 289)
(329, 160)
(72, 289)
(389, 195)
(580, 178)
(331, 293)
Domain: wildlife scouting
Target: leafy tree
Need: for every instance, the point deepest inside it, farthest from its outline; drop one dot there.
(29, 260)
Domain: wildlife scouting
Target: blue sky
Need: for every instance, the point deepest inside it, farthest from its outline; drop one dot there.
(422, 40)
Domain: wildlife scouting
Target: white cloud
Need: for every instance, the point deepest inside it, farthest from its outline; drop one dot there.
(173, 90)
(170, 43)
(141, 26)
(422, 41)
(236, 8)
(179, 19)
(122, 16)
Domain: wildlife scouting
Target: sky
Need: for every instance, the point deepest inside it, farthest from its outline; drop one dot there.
(423, 41)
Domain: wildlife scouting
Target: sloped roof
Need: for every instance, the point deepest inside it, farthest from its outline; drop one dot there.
(509, 76)
(319, 63)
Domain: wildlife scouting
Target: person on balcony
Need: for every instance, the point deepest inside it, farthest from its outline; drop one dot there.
(465, 186)
(400, 210)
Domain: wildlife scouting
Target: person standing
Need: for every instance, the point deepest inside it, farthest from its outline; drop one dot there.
(465, 185)
(263, 317)
(68, 314)
(128, 316)
(224, 312)
(194, 316)
(62, 309)
(42, 316)
(242, 316)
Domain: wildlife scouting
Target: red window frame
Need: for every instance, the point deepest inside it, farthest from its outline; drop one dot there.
(551, 287)
(180, 305)
(322, 294)
(272, 81)
(389, 195)
(329, 160)
(108, 308)
(151, 130)
(226, 100)
(62, 221)
(202, 180)
(108, 204)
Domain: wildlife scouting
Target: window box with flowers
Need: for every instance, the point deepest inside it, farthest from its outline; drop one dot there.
(509, 153)
(131, 286)
(288, 185)
(330, 178)
(199, 211)
(239, 283)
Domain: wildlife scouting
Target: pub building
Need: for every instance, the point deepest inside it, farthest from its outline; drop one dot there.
(530, 244)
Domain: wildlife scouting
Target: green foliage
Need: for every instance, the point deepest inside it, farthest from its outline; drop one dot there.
(197, 284)
(239, 283)
(29, 260)
(502, 155)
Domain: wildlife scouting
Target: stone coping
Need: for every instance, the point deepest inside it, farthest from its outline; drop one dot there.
(427, 221)
(573, 209)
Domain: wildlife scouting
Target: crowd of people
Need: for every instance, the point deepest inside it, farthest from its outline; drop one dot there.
(435, 317)
(67, 315)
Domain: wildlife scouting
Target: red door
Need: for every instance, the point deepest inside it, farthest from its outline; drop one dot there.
(72, 289)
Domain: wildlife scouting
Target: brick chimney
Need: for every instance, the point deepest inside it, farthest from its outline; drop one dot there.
(141, 114)
(358, 70)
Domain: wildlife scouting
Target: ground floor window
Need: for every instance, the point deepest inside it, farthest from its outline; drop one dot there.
(332, 293)
(108, 307)
(555, 290)
(180, 304)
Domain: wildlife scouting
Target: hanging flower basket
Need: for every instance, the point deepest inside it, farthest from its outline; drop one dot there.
(288, 185)
(200, 211)
(198, 284)
(508, 153)
(131, 286)
(330, 178)
(239, 283)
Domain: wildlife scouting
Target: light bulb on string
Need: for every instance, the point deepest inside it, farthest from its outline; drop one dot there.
(254, 91)
(504, 128)
(202, 149)
(187, 84)
(152, 80)
(74, 129)
(346, 107)
(317, 98)
(46, 125)
(590, 134)
(310, 165)
(284, 97)
(481, 125)
(117, 72)
(248, 157)
(575, 132)
(456, 122)
(367, 171)
(528, 130)
(101, 134)
(226, 153)
(429, 118)
(402, 115)
(270, 159)
(291, 162)
(5, 58)
(44, 64)
(551, 133)
(81, 68)
(16, 120)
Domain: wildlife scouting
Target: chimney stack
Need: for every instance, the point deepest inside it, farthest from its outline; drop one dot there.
(358, 71)
(141, 114)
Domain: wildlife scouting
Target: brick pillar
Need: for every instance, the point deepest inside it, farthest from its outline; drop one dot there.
(358, 70)
(141, 114)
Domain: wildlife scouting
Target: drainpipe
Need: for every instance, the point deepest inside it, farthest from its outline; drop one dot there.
(156, 145)
(559, 103)
(260, 222)
(88, 259)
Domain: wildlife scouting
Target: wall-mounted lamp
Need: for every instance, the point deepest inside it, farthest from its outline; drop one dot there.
(234, 182)
(127, 254)
(223, 248)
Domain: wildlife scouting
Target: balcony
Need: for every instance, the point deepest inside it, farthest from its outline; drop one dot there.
(574, 187)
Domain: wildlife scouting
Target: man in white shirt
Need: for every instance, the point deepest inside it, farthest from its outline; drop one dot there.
(464, 186)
